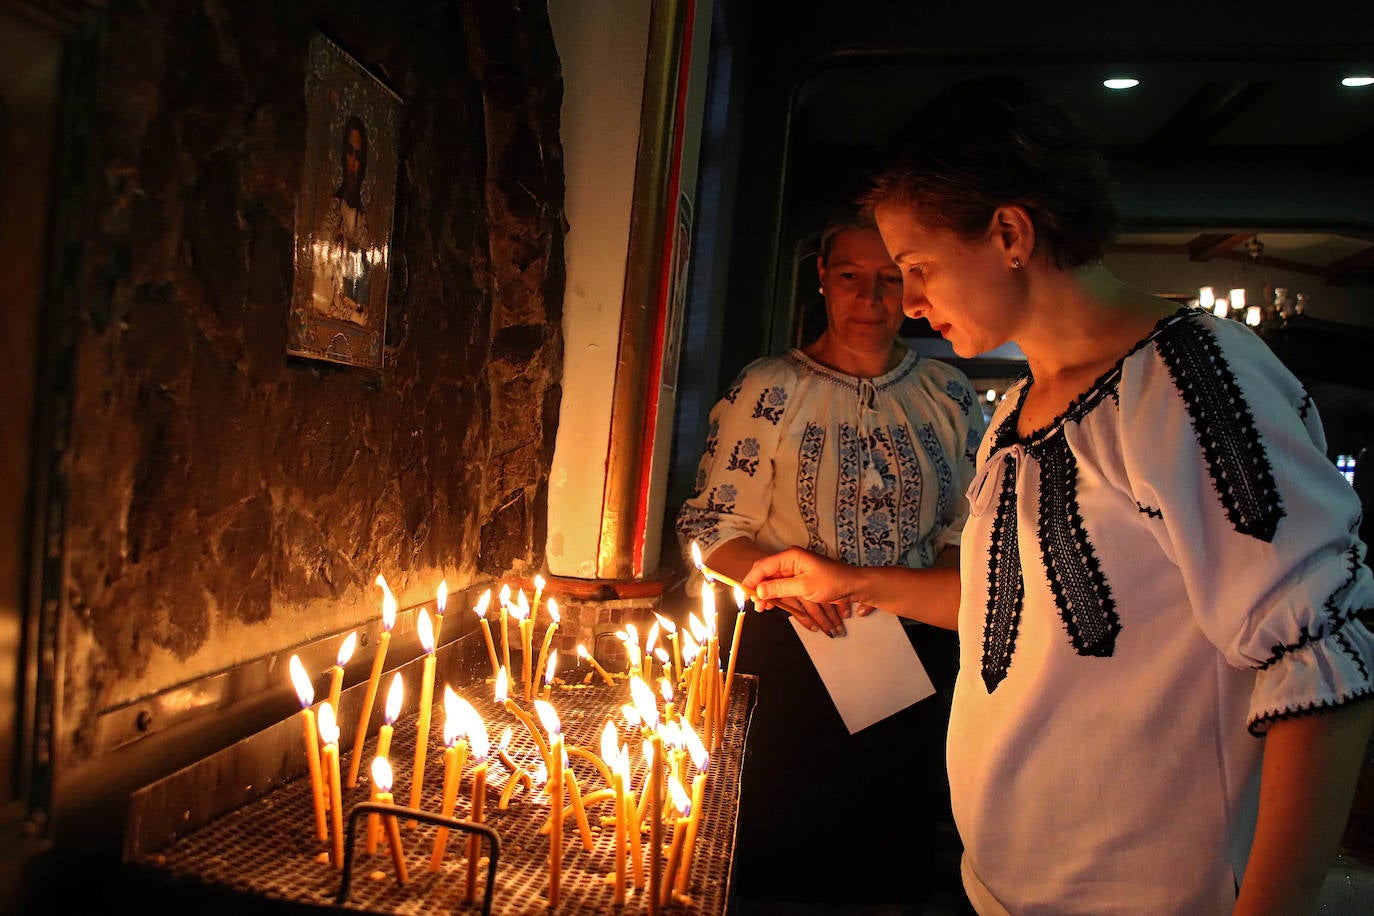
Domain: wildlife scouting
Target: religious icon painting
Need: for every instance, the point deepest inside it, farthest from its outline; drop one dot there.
(344, 211)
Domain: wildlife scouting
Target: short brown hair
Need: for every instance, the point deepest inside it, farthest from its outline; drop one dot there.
(992, 142)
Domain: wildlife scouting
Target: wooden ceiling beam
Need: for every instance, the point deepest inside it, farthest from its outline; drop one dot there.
(1213, 106)
(1208, 245)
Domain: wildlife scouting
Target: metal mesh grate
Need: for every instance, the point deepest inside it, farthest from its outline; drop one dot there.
(268, 846)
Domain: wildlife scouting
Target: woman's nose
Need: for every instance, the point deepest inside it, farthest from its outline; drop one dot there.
(913, 298)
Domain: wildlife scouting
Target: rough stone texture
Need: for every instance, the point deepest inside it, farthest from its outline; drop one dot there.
(227, 501)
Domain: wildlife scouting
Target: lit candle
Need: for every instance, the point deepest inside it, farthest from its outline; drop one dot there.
(548, 637)
(381, 780)
(373, 681)
(582, 651)
(632, 648)
(456, 719)
(505, 626)
(329, 737)
(683, 804)
(390, 714)
(522, 613)
(346, 649)
(306, 692)
(702, 761)
(518, 775)
(539, 584)
(710, 575)
(502, 687)
(481, 609)
(549, 717)
(549, 673)
(477, 738)
(671, 629)
(647, 707)
(417, 784)
(734, 652)
(611, 752)
(440, 604)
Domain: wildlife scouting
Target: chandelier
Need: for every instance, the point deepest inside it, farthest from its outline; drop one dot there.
(1272, 304)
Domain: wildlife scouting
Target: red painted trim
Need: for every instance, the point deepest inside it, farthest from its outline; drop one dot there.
(665, 280)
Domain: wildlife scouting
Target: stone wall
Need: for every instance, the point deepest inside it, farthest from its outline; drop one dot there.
(225, 500)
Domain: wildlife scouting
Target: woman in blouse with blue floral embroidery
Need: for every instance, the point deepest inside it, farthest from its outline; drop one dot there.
(855, 447)
(1160, 700)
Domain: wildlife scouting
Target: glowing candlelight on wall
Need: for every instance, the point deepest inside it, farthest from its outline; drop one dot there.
(378, 665)
(458, 713)
(305, 691)
(390, 714)
(426, 634)
(549, 718)
(481, 609)
(329, 737)
(477, 738)
(582, 651)
(548, 637)
(381, 780)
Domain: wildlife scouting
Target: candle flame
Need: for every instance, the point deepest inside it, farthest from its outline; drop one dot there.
(696, 628)
(388, 604)
(329, 727)
(453, 716)
(644, 701)
(582, 650)
(739, 597)
(696, 557)
(441, 599)
(505, 593)
(553, 611)
(504, 743)
(646, 750)
(610, 740)
(661, 654)
(622, 762)
(381, 774)
(347, 648)
(665, 687)
(522, 604)
(694, 747)
(681, 800)
(483, 603)
(652, 638)
(393, 700)
(476, 730)
(668, 626)
(425, 629)
(502, 685)
(631, 715)
(540, 776)
(548, 717)
(305, 690)
(708, 610)
(552, 667)
(690, 648)
(632, 634)
(672, 735)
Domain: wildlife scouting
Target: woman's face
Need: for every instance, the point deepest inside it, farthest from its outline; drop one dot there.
(963, 288)
(863, 291)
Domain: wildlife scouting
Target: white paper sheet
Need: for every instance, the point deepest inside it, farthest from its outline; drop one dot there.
(871, 672)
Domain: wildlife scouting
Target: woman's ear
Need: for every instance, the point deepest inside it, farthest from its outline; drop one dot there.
(1014, 230)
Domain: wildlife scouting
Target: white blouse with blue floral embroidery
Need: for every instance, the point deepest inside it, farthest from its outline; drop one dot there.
(1148, 583)
(868, 471)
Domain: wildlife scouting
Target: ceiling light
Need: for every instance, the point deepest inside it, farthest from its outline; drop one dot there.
(1121, 82)
(1358, 81)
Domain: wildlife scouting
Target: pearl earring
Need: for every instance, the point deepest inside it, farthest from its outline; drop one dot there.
(821, 290)
(1016, 263)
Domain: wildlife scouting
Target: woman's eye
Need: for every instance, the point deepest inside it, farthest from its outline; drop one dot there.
(895, 280)
(849, 275)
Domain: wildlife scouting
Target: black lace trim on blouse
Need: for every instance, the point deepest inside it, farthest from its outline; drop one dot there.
(1225, 429)
(1007, 590)
(1260, 724)
(907, 365)
(1335, 620)
(1080, 589)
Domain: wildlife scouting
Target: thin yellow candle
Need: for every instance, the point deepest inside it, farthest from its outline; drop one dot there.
(505, 627)
(582, 651)
(734, 652)
(305, 691)
(635, 816)
(683, 804)
(381, 782)
(346, 649)
(579, 810)
(329, 737)
(522, 612)
(702, 760)
(390, 714)
(711, 575)
(440, 605)
(502, 686)
(518, 774)
(548, 636)
(417, 783)
(689, 710)
(456, 724)
(549, 673)
(613, 754)
(539, 584)
(549, 717)
(632, 649)
(671, 629)
(481, 609)
(373, 680)
(647, 707)
(665, 690)
(481, 745)
(712, 696)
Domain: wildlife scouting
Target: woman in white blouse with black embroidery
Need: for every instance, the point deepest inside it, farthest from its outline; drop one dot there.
(858, 448)
(1159, 706)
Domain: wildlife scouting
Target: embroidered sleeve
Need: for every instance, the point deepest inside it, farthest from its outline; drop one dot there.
(962, 457)
(734, 484)
(1235, 483)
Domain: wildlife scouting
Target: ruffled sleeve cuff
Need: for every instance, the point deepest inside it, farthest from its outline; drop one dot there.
(1318, 675)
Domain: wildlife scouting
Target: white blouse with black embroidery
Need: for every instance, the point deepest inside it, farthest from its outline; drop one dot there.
(870, 471)
(1148, 583)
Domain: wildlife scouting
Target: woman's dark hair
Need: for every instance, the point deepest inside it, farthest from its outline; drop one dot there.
(842, 222)
(991, 142)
